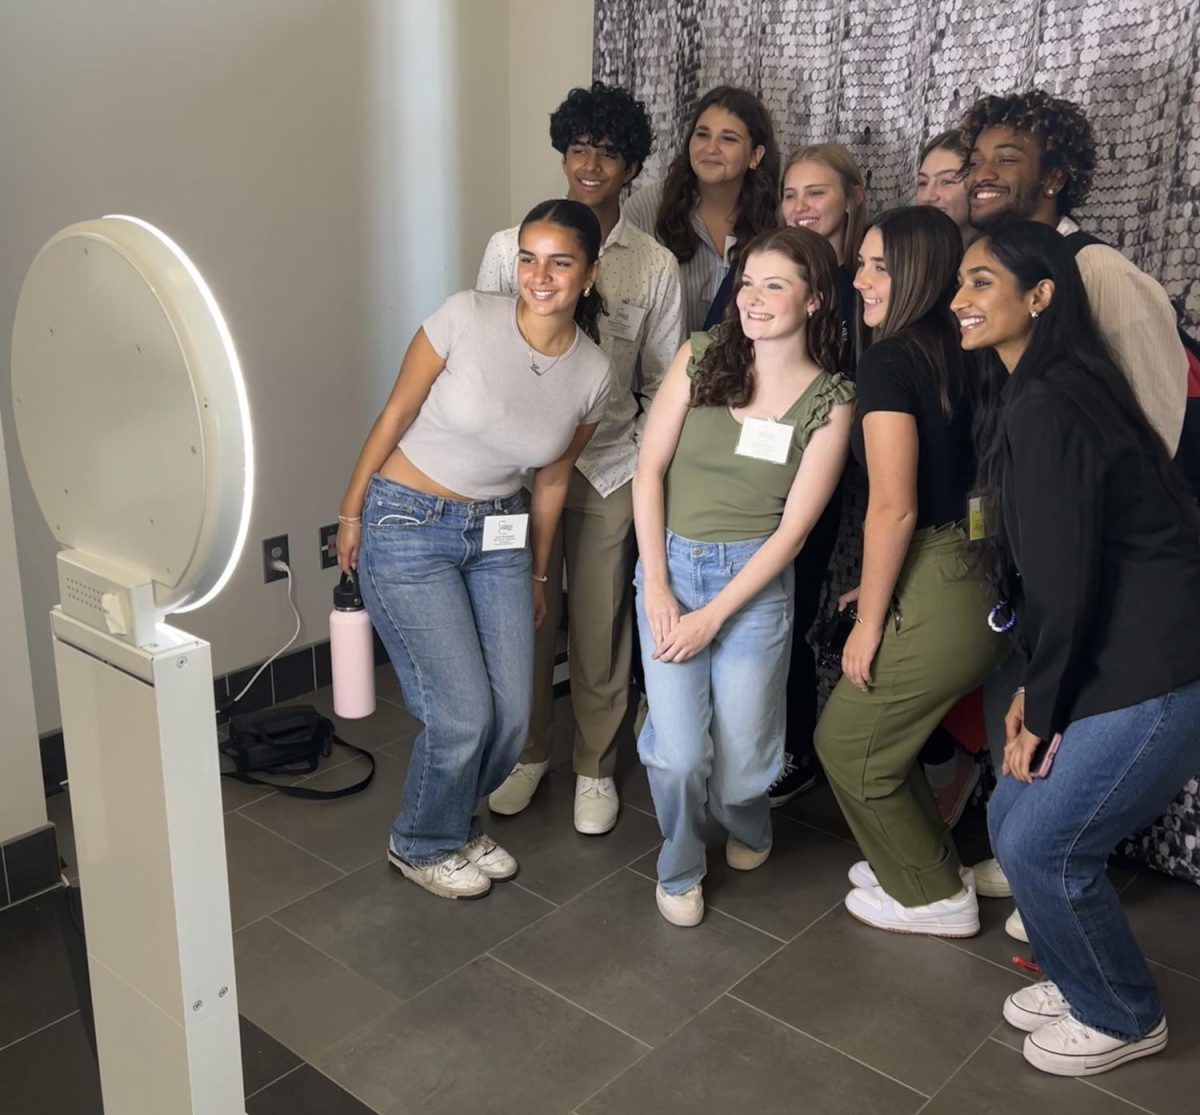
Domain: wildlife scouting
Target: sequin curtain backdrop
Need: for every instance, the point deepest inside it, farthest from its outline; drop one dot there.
(881, 75)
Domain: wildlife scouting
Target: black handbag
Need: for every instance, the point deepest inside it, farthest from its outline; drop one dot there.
(831, 636)
(287, 740)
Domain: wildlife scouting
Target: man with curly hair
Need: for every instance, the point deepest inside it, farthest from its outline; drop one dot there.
(604, 137)
(1033, 156)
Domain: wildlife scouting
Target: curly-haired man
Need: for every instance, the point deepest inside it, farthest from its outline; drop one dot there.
(1033, 156)
(604, 136)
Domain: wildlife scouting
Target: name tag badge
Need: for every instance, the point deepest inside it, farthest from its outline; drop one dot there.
(625, 321)
(505, 532)
(765, 440)
(977, 529)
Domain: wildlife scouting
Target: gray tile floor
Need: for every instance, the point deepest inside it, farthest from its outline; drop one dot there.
(564, 992)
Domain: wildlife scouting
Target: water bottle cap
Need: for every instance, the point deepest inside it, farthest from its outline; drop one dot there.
(346, 597)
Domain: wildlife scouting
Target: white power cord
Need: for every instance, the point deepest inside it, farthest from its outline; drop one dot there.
(284, 567)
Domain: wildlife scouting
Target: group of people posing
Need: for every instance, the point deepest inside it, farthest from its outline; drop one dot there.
(698, 403)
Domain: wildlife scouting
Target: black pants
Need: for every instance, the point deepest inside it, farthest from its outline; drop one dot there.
(811, 565)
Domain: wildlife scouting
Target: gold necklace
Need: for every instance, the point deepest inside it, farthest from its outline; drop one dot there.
(533, 366)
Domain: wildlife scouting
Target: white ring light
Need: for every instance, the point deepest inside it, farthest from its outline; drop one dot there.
(131, 410)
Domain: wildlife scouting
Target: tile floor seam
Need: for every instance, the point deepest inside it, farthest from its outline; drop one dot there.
(570, 1002)
(1136, 876)
(541, 897)
(282, 1076)
(945, 1083)
(1173, 971)
(830, 1045)
(267, 828)
(34, 1033)
(824, 832)
(4, 867)
(608, 1083)
(1009, 968)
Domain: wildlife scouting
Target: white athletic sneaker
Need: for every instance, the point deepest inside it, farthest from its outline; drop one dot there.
(862, 875)
(684, 909)
(1069, 1048)
(454, 877)
(743, 858)
(1015, 927)
(596, 805)
(1035, 1006)
(990, 880)
(497, 864)
(950, 917)
(516, 791)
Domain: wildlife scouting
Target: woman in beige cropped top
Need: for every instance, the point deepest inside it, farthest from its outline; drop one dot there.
(743, 447)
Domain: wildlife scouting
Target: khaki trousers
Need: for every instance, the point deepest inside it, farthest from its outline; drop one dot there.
(936, 647)
(595, 537)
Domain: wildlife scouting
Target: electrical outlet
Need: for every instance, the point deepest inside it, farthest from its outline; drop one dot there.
(275, 549)
(328, 537)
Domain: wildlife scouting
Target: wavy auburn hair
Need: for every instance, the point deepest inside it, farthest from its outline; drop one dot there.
(725, 376)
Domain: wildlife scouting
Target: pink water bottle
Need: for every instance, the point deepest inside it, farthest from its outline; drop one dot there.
(351, 652)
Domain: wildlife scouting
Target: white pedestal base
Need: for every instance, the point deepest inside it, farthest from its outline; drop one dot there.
(149, 834)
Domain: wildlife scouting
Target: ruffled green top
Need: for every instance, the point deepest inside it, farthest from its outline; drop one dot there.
(712, 494)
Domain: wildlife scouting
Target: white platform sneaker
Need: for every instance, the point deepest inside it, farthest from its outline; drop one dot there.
(1035, 1006)
(951, 917)
(685, 910)
(1067, 1047)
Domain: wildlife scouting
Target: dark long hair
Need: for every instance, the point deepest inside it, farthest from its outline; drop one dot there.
(1064, 338)
(580, 220)
(758, 200)
(726, 373)
(922, 249)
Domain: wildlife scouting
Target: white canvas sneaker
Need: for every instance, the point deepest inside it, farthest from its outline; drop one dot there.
(951, 917)
(596, 805)
(990, 880)
(454, 877)
(516, 791)
(685, 910)
(497, 864)
(1035, 1006)
(1015, 927)
(1069, 1048)
(743, 858)
(862, 875)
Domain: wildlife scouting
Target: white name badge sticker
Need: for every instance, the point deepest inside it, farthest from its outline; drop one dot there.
(765, 440)
(505, 532)
(625, 321)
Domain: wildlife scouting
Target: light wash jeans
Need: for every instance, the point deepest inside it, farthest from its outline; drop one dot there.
(715, 731)
(1114, 773)
(458, 627)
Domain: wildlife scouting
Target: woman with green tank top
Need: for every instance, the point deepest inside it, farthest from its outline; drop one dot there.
(742, 449)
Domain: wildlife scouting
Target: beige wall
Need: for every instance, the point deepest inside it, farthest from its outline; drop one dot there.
(334, 167)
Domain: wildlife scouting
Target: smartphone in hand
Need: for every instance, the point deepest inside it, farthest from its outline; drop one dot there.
(1043, 756)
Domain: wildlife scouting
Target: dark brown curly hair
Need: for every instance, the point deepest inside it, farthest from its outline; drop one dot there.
(725, 376)
(1062, 130)
(758, 201)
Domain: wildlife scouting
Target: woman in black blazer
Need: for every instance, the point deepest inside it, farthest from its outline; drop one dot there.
(1096, 559)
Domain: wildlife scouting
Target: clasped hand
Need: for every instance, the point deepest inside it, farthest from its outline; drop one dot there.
(677, 636)
(1019, 742)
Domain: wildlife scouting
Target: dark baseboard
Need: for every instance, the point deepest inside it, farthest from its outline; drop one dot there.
(29, 865)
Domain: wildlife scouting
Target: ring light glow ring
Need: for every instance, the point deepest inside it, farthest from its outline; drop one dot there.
(130, 408)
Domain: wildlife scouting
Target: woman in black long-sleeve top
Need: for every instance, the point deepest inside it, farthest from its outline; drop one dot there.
(1097, 560)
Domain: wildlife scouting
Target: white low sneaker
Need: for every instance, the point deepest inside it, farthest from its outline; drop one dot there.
(596, 805)
(950, 917)
(454, 877)
(685, 910)
(990, 880)
(1035, 1006)
(497, 864)
(741, 857)
(862, 875)
(516, 791)
(1067, 1047)
(1015, 927)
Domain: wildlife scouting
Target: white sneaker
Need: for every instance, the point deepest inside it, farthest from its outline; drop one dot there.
(990, 880)
(1069, 1048)
(497, 864)
(950, 917)
(684, 909)
(862, 875)
(1035, 1006)
(454, 877)
(516, 791)
(742, 857)
(1015, 927)
(596, 805)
